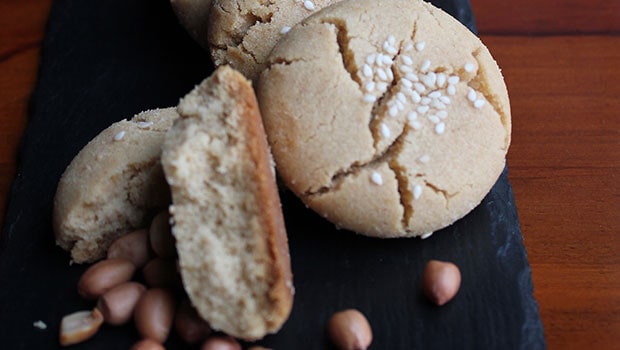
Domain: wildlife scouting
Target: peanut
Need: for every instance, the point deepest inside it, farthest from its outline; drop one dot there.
(349, 330)
(162, 241)
(161, 272)
(118, 303)
(154, 314)
(147, 344)
(221, 343)
(441, 281)
(190, 327)
(79, 326)
(103, 276)
(133, 246)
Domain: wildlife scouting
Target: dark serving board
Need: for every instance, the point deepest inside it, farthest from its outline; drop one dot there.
(103, 61)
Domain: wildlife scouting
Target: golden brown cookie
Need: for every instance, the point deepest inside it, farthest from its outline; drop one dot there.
(113, 186)
(228, 224)
(389, 118)
(241, 33)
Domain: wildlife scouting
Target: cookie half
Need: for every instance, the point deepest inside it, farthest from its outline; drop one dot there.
(389, 118)
(113, 186)
(241, 33)
(228, 224)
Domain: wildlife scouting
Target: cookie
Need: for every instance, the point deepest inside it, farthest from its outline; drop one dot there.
(193, 16)
(227, 219)
(389, 118)
(113, 186)
(242, 33)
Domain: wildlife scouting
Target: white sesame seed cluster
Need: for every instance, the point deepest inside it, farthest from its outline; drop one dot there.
(415, 92)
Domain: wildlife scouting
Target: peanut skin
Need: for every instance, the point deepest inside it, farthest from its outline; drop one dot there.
(133, 246)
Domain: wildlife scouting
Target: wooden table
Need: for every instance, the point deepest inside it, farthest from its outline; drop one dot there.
(561, 61)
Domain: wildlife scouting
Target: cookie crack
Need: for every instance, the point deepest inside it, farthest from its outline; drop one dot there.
(347, 55)
(444, 193)
(479, 83)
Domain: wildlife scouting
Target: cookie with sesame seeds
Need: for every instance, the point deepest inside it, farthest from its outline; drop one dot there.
(241, 33)
(389, 118)
(113, 186)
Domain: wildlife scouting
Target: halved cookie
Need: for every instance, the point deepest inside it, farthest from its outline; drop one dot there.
(228, 223)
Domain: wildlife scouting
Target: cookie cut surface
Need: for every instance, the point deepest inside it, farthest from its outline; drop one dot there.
(227, 219)
(113, 186)
(389, 118)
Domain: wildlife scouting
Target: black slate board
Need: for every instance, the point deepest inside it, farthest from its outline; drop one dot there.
(103, 61)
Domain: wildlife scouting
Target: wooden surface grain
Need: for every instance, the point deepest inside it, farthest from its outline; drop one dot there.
(563, 161)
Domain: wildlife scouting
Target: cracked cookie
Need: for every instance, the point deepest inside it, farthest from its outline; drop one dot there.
(241, 33)
(227, 219)
(112, 186)
(389, 118)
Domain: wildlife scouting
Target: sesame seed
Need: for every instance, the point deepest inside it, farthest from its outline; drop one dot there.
(445, 99)
(392, 40)
(144, 125)
(442, 114)
(406, 82)
(434, 119)
(429, 79)
(119, 136)
(390, 74)
(425, 65)
(367, 71)
(399, 105)
(393, 111)
(422, 109)
(471, 95)
(409, 47)
(419, 87)
(426, 235)
(370, 86)
(379, 59)
(417, 191)
(285, 30)
(401, 97)
(381, 73)
(391, 50)
(382, 86)
(469, 67)
(453, 80)
(309, 5)
(406, 69)
(371, 59)
(425, 101)
(412, 77)
(440, 128)
(386, 46)
(387, 60)
(376, 178)
(415, 125)
(369, 98)
(411, 116)
(424, 159)
(419, 46)
(441, 79)
(437, 104)
(435, 94)
(407, 60)
(451, 90)
(385, 131)
(479, 103)
(415, 97)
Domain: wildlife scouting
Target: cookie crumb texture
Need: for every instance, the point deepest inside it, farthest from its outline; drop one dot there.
(228, 224)
(243, 32)
(112, 186)
(389, 118)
